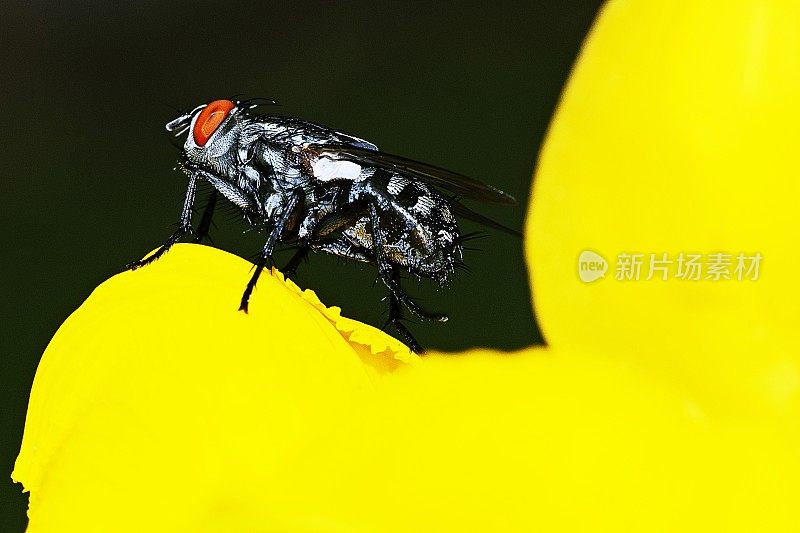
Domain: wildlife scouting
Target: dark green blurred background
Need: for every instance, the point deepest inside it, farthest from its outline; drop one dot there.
(86, 175)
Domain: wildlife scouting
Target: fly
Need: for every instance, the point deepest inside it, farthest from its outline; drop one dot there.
(325, 190)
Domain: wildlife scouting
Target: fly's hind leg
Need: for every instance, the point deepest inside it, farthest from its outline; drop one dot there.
(396, 317)
(388, 274)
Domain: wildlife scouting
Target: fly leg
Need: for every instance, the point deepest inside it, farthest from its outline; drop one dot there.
(290, 270)
(269, 247)
(184, 228)
(386, 270)
(205, 220)
(396, 317)
(317, 228)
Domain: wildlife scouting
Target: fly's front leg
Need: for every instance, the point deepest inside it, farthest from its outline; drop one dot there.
(388, 274)
(205, 220)
(269, 247)
(184, 227)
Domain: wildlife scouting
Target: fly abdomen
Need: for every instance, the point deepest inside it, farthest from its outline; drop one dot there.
(419, 232)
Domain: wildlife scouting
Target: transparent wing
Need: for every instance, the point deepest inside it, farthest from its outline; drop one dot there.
(463, 211)
(461, 185)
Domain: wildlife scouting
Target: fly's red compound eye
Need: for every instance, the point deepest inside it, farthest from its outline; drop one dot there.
(209, 120)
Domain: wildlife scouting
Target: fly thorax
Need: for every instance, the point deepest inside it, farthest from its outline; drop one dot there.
(292, 178)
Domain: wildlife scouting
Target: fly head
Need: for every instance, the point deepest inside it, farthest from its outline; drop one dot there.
(213, 134)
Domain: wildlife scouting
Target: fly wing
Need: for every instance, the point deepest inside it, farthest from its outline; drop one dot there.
(463, 211)
(463, 186)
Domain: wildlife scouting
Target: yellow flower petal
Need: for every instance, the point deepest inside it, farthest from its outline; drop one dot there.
(158, 407)
(361, 335)
(678, 133)
(157, 381)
